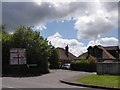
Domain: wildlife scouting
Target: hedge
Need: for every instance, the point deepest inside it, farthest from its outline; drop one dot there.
(23, 71)
(83, 65)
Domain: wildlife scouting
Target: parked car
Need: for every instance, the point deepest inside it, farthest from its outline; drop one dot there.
(65, 66)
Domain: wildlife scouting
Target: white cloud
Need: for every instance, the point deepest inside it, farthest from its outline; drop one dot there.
(75, 47)
(92, 19)
(56, 35)
(104, 42)
(100, 21)
(93, 26)
(39, 27)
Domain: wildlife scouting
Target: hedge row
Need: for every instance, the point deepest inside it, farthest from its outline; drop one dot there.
(83, 65)
(24, 71)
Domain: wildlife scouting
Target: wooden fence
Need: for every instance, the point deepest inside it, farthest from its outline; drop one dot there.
(108, 68)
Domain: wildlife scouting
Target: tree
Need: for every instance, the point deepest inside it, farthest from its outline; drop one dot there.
(2, 31)
(54, 59)
(6, 45)
(37, 49)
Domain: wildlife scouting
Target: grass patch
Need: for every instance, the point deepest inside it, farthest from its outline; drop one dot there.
(101, 80)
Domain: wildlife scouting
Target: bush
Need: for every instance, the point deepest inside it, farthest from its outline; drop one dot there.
(92, 60)
(83, 65)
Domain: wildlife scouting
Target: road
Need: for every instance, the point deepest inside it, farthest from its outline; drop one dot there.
(50, 80)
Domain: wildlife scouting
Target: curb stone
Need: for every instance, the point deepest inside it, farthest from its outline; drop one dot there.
(85, 85)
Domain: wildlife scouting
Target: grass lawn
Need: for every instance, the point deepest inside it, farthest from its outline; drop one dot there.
(101, 80)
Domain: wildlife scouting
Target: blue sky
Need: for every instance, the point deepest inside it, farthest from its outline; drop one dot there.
(66, 29)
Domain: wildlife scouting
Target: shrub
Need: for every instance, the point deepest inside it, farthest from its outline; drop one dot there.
(83, 65)
(92, 60)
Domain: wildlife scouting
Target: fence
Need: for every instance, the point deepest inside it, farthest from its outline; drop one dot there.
(108, 68)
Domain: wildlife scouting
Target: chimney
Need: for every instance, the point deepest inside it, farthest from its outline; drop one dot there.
(66, 50)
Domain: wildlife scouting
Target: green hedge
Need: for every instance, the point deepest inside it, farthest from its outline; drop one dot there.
(83, 65)
(24, 71)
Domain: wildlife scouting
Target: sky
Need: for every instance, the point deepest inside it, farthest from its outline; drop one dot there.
(78, 24)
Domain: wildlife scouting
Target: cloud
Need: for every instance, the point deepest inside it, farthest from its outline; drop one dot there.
(75, 47)
(111, 41)
(40, 27)
(93, 26)
(31, 14)
(102, 19)
(92, 19)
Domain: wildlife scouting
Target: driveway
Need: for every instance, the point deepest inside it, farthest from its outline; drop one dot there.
(50, 80)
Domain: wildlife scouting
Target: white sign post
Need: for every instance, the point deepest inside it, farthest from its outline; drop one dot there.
(17, 56)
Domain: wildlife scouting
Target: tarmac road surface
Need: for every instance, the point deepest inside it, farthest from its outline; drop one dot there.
(50, 80)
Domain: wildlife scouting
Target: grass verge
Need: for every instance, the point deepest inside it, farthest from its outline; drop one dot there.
(101, 80)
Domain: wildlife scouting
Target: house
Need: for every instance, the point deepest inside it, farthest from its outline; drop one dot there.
(104, 53)
(113, 50)
(65, 56)
(108, 60)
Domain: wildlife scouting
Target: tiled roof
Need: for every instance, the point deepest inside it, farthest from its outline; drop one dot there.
(83, 55)
(106, 54)
(111, 48)
(63, 56)
(105, 51)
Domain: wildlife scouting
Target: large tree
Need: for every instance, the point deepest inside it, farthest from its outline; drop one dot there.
(37, 49)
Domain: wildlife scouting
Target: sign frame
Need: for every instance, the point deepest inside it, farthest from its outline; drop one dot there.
(17, 56)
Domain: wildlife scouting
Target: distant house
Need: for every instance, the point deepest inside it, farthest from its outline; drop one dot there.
(113, 50)
(65, 57)
(108, 60)
(104, 53)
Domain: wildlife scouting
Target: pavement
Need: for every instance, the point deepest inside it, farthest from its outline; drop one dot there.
(51, 80)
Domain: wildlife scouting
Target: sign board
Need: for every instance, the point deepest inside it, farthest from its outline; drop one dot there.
(17, 56)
